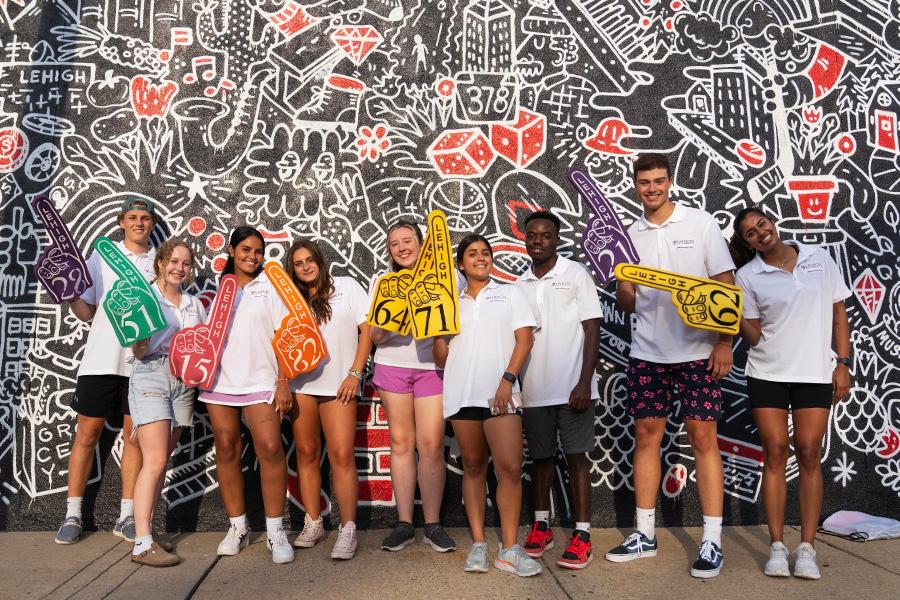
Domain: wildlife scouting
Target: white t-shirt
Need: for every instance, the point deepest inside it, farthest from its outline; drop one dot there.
(479, 355)
(188, 314)
(248, 362)
(349, 309)
(560, 301)
(401, 350)
(102, 353)
(691, 243)
(795, 313)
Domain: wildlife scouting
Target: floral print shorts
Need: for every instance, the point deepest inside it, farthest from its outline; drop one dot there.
(654, 389)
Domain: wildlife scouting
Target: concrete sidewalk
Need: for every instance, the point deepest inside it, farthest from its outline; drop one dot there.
(32, 566)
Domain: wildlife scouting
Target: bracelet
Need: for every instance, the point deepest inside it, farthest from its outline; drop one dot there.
(355, 373)
(724, 343)
(281, 380)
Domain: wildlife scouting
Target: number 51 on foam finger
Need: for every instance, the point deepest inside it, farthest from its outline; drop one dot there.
(701, 303)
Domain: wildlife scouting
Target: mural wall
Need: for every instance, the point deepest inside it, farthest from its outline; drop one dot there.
(329, 119)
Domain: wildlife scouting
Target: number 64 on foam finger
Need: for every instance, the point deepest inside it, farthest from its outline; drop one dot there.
(701, 303)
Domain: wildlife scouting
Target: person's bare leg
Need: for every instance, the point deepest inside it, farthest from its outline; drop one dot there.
(429, 415)
(402, 427)
(504, 437)
(710, 482)
(265, 428)
(154, 442)
(809, 429)
(81, 453)
(226, 426)
(131, 459)
(474, 450)
(648, 435)
(339, 424)
(580, 484)
(308, 442)
(773, 433)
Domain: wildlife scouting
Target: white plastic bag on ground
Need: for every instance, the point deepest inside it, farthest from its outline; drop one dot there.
(860, 527)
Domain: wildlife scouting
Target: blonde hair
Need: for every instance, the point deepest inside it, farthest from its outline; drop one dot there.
(164, 253)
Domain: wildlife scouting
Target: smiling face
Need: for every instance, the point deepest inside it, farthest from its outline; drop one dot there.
(652, 188)
(758, 232)
(541, 240)
(248, 256)
(137, 225)
(177, 268)
(403, 246)
(305, 267)
(477, 261)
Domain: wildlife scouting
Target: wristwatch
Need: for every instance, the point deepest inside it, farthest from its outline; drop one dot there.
(355, 373)
(510, 377)
(847, 361)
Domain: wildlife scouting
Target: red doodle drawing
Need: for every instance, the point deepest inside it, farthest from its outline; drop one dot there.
(870, 293)
(357, 41)
(750, 153)
(13, 149)
(151, 99)
(195, 351)
(674, 481)
(825, 70)
(462, 153)
(523, 141)
(813, 195)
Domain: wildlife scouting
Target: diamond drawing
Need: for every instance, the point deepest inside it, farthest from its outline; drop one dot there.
(357, 41)
(870, 293)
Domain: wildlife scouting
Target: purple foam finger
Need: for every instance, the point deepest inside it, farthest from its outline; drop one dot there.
(605, 241)
(61, 268)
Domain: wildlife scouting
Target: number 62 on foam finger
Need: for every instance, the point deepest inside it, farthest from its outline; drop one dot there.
(701, 303)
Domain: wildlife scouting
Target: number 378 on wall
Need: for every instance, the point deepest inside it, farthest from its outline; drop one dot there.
(485, 97)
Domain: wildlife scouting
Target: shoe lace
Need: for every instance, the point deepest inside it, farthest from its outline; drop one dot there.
(707, 551)
(534, 536)
(309, 528)
(631, 539)
(576, 545)
(233, 533)
(279, 538)
(345, 537)
(804, 552)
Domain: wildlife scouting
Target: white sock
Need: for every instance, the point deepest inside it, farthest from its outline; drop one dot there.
(73, 506)
(583, 526)
(273, 524)
(239, 522)
(142, 544)
(542, 515)
(646, 521)
(126, 509)
(712, 530)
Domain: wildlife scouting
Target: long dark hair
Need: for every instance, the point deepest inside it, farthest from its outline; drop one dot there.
(320, 302)
(741, 252)
(237, 236)
(465, 243)
(397, 225)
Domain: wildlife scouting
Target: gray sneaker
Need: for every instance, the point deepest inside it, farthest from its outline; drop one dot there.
(124, 529)
(437, 538)
(515, 560)
(477, 561)
(69, 532)
(402, 536)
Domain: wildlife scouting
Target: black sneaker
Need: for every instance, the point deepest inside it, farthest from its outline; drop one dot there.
(402, 536)
(709, 560)
(437, 538)
(636, 545)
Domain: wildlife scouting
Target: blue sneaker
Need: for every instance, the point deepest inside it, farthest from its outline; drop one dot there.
(709, 560)
(636, 545)
(69, 532)
(124, 528)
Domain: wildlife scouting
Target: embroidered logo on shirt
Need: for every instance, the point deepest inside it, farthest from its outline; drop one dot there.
(683, 243)
(259, 293)
(495, 298)
(811, 267)
(562, 285)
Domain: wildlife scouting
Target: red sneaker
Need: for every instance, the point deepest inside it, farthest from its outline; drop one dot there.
(539, 540)
(578, 555)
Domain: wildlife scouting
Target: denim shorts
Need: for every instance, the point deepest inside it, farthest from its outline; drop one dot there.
(154, 394)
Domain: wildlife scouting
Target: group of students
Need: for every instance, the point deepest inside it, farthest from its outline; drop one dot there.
(525, 358)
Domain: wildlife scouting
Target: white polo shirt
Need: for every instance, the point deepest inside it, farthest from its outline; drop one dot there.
(691, 243)
(795, 313)
(248, 362)
(480, 353)
(102, 353)
(349, 309)
(188, 314)
(560, 301)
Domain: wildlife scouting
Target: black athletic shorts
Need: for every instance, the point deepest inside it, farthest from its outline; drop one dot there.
(783, 395)
(476, 413)
(103, 396)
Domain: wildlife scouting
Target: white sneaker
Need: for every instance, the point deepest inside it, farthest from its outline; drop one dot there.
(777, 565)
(235, 541)
(313, 531)
(280, 547)
(345, 546)
(805, 565)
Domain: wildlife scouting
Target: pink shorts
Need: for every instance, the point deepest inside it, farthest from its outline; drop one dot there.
(402, 380)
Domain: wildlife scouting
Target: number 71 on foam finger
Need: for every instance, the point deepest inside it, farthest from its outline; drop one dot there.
(701, 303)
